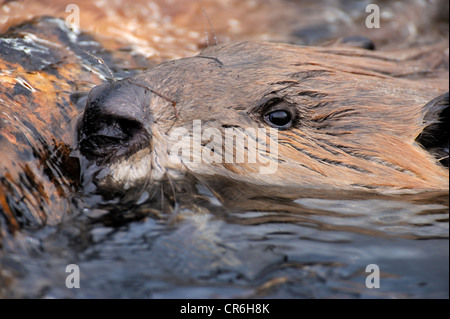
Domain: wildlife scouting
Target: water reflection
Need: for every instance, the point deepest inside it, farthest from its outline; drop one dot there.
(318, 249)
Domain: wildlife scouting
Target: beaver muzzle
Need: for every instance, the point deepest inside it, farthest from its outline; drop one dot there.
(112, 127)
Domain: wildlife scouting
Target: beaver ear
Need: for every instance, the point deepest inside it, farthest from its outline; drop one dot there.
(434, 136)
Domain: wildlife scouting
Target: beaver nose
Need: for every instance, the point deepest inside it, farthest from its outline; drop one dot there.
(114, 124)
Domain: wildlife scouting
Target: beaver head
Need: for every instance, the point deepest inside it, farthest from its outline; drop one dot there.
(269, 115)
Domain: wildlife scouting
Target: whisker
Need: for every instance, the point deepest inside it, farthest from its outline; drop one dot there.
(162, 197)
(207, 23)
(174, 193)
(173, 102)
(211, 58)
(101, 61)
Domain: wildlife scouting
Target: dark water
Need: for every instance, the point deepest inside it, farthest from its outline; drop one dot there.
(308, 248)
(316, 248)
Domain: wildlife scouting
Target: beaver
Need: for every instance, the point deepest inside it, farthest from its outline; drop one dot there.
(343, 119)
(42, 62)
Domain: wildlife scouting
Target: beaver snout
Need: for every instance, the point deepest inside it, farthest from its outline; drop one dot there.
(115, 123)
(112, 136)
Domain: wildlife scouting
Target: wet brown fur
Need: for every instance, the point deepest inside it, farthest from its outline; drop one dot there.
(359, 112)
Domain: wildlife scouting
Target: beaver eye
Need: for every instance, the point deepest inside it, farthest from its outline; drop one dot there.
(279, 119)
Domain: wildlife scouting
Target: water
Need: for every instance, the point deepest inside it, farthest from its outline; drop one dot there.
(313, 247)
